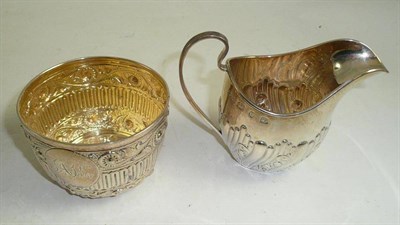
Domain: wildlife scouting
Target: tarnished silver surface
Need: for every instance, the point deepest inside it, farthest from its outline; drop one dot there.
(275, 110)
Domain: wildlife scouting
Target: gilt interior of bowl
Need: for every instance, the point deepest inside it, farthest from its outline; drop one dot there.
(92, 101)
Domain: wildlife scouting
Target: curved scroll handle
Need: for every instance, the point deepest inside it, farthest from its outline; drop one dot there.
(190, 43)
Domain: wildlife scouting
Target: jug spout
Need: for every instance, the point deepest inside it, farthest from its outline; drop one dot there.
(355, 61)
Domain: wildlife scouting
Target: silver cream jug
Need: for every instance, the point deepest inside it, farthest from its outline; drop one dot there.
(275, 110)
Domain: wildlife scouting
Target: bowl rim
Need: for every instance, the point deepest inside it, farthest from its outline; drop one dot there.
(161, 118)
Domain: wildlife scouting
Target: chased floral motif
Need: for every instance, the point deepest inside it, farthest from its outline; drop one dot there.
(78, 127)
(112, 159)
(84, 76)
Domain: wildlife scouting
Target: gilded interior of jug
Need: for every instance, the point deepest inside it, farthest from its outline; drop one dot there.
(295, 82)
(93, 101)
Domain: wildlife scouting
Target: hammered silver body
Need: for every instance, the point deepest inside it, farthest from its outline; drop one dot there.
(266, 143)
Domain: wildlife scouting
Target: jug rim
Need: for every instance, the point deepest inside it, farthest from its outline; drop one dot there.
(316, 105)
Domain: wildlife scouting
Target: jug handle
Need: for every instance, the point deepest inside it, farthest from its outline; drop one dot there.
(224, 52)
